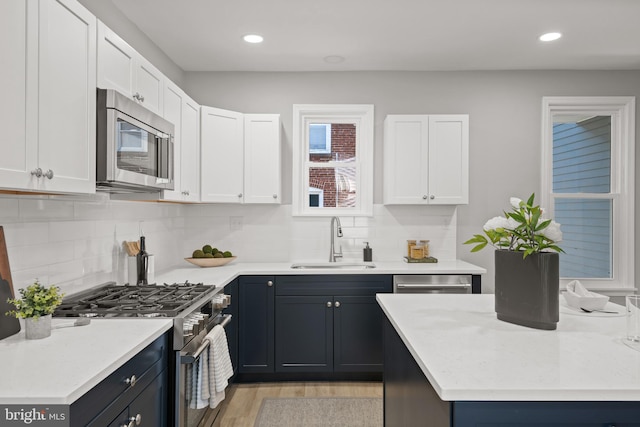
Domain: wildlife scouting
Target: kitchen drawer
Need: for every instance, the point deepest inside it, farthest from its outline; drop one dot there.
(146, 365)
(333, 284)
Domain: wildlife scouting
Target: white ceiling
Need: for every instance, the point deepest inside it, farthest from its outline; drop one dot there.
(206, 35)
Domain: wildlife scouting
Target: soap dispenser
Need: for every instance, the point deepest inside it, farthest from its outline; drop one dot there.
(367, 253)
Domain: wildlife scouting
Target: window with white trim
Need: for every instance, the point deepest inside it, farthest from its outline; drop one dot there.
(588, 187)
(333, 159)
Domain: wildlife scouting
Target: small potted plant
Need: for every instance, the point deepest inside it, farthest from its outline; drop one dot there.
(36, 306)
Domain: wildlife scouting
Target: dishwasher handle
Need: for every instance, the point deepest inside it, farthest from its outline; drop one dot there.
(432, 286)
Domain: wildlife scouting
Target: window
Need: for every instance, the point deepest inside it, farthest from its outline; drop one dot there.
(333, 160)
(320, 138)
(588, 185)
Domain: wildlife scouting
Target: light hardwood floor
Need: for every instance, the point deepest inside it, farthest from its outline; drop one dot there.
(242, 403)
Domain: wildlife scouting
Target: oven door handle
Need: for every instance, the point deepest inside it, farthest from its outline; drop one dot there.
(190, 358)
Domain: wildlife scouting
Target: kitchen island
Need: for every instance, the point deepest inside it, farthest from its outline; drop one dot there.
(449, 361)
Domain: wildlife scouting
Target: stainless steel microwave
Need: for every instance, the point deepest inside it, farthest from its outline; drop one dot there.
(134, 151)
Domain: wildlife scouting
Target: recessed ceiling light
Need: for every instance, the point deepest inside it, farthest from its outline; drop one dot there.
(549, 37)
(253, 38)
(334, 59)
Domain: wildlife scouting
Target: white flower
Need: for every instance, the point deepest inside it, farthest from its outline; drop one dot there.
(496, 222)
(515, 202)
(553, 232)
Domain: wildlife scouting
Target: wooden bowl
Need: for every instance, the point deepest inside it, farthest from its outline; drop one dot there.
(210, 262)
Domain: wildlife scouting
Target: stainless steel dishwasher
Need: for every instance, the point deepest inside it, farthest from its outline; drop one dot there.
(432, 284)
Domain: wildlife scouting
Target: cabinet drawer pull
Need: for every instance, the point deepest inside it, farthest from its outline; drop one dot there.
(131, 381)
(329, 304)
(337, 304)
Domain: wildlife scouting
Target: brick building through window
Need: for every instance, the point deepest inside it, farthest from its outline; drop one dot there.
(332, 186)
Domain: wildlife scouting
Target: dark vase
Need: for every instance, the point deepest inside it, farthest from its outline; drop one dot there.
(526, 290)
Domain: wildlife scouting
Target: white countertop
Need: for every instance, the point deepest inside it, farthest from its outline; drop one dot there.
(61, 368)
(220, 276)
(466, 353)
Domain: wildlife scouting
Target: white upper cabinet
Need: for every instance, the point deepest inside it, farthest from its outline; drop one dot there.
(122, 68)
(221, 155)
(426, 159)
(49, 49)
(184, 113)
(262, 177)
(240, 157)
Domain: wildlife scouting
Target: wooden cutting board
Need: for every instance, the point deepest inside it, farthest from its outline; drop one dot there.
(5, 271)
(8, 325)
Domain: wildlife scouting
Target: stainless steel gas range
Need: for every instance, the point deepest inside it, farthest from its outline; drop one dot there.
(194, 307)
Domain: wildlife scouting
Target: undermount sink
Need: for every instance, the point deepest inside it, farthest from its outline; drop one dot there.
(334, 265)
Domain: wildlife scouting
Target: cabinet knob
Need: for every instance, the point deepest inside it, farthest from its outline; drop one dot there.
(329, 304)
(137, 420)
(337, 304)
(275, 196)
(37, 172)
(188, 193)
(131, 381)
(129, 424)
(240, 195)
(424, 197)
(270, 283)
(48, 174)
(138, 97)
(432, 197)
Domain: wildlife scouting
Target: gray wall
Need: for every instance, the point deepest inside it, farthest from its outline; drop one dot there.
(504, 108)
(118, 22)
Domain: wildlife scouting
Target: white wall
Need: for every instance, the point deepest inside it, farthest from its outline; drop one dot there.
(106, 11)
(505, 121)
(77, 242)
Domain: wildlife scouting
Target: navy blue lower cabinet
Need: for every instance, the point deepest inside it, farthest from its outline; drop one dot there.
(115, 400)
(411, 401)
(256, 324)
(357, 339)
(304, 334)
(329, 323)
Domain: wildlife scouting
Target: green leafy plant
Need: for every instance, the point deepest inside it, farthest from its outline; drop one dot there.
(524, 229)
(36, 301)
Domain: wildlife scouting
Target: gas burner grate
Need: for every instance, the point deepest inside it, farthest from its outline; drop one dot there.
(167, 300)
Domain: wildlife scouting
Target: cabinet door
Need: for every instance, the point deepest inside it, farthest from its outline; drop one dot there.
(173, 105)
(262, 158)
(190, 171)
(149, 85)
(67, 97)
(449, 159)
(406, 155)
(222, 155)
(304, 334)
(150, 407)
(116, 62)
(357, 334)
(256, 326)
(18, 43)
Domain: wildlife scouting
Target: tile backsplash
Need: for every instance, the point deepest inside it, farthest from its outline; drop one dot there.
(76, 242)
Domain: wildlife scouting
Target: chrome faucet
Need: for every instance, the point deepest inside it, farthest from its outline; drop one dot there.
(332, 252)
